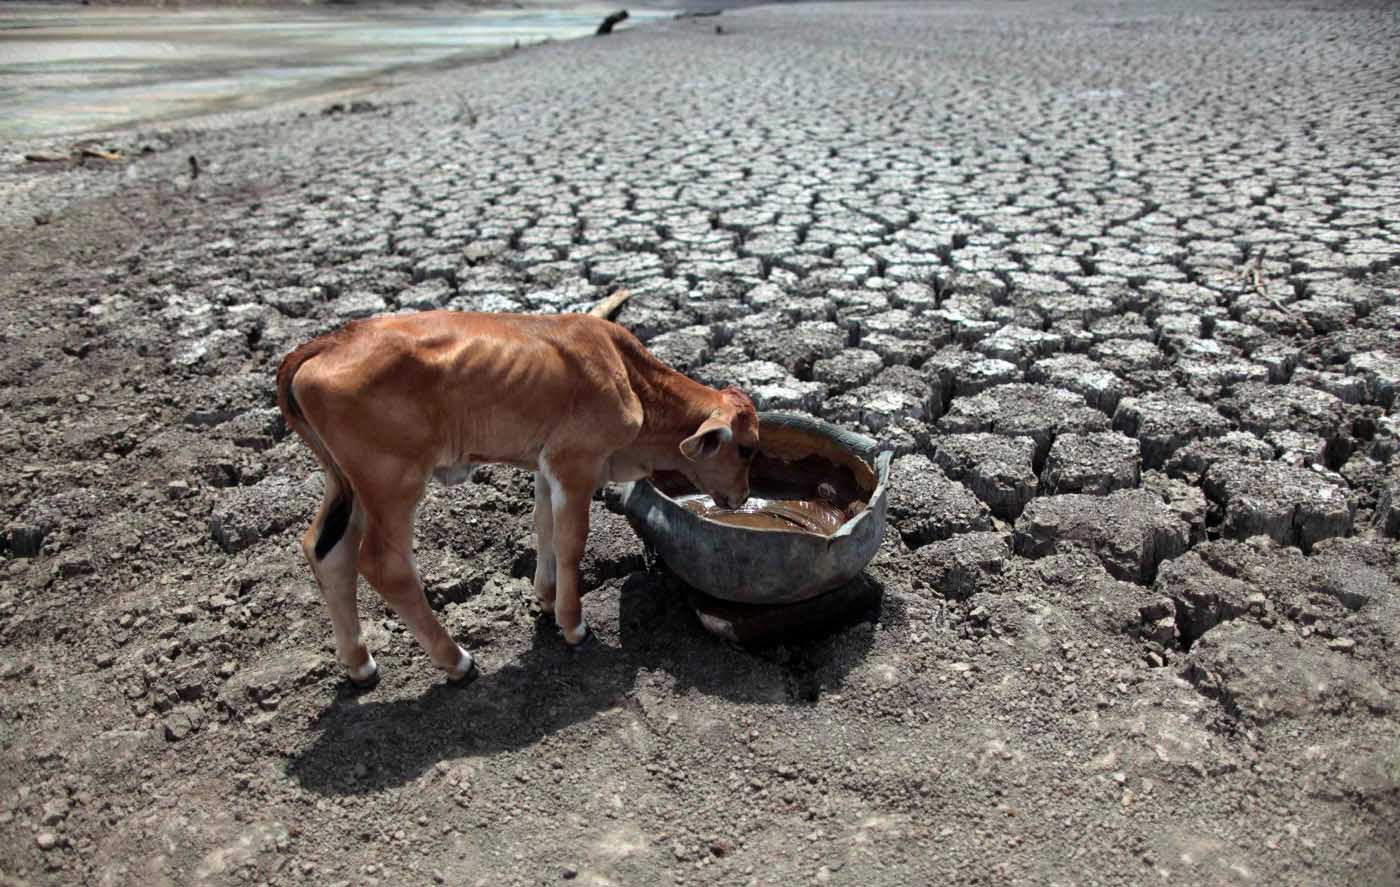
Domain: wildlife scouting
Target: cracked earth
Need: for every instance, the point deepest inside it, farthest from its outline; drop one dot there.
(1121, 287)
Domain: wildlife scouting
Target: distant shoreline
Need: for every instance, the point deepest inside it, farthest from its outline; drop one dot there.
(217, 59)
(386, 5)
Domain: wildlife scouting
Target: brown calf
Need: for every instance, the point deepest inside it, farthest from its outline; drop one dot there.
(387, 403)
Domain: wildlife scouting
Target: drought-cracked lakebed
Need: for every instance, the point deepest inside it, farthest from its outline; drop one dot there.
(1119, 284)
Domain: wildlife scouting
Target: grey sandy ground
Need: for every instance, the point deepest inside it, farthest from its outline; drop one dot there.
(1120, 283)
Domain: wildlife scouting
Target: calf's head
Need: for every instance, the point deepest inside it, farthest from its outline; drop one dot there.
(718, 454)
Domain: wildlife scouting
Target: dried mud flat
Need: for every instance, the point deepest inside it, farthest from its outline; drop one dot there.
(1119, 284)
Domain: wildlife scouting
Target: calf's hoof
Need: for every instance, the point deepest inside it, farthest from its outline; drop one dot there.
(581, 638)
(366, 676)
(465, 671)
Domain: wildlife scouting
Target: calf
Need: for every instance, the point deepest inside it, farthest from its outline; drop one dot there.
(387, 403)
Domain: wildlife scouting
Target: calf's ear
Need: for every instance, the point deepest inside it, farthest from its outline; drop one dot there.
(713, 433)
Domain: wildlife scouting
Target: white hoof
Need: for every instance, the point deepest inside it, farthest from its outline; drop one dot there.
(578, 634)
(365, 673)
(465, 666)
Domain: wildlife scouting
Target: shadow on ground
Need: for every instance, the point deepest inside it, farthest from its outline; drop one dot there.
(363, 745)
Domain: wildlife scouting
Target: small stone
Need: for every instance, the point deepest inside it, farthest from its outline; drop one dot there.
(55, 811)
(181, 722)
(104, 659)
(1342, 645)
(177, 489)
(569, 873)
(74, 563)
(185, 613)
(24, 539)
(46, 840)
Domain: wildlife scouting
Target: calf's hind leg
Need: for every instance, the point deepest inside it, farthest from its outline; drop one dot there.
(386, 560)
(330, 545)
(544, 545)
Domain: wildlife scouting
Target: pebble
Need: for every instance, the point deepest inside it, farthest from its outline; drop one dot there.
(181, 722)
(46, 840)
(55, 811)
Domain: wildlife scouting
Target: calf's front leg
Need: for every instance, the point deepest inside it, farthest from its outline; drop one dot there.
(571, 486)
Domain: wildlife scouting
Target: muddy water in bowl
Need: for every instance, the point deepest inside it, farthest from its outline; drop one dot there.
(808, 515)
(810, 496)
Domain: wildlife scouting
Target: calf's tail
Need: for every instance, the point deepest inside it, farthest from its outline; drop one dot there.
(336, 518)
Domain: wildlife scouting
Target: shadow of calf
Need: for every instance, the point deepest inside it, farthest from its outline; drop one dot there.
(364, 745)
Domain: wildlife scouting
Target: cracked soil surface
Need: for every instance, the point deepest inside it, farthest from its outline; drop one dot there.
(1120, 285)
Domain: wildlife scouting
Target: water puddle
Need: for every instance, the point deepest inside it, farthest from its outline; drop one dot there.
(67, 70)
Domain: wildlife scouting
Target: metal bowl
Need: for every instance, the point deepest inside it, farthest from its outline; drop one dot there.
(751, 565)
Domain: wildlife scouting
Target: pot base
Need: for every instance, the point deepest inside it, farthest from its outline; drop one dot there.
(759, 625)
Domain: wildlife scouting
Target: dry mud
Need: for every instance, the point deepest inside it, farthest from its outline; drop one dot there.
(1119, 284)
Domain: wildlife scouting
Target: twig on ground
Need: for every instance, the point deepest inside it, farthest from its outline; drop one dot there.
(1259, 284)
